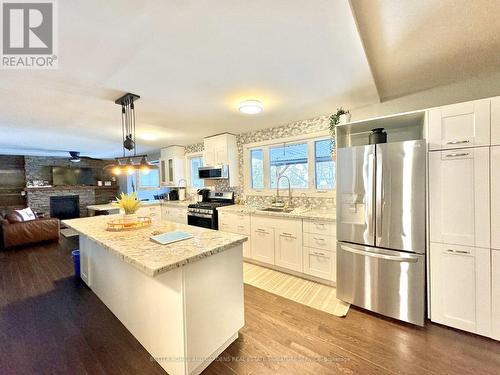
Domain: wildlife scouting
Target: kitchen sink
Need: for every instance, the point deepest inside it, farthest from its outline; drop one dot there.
(277, 209)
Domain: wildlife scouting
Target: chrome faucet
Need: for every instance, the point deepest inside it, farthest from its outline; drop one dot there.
(289, 190)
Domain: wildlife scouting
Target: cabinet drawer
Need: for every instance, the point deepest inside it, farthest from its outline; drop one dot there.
(328, 228)
(319, 263)
(320, 241)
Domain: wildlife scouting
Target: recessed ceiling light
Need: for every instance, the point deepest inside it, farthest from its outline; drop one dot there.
(149, 136)
(251, 107)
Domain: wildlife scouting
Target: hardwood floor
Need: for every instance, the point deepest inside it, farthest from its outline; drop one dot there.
(50, 324)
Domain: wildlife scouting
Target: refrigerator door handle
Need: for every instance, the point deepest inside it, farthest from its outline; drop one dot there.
(370, 195)
(408, 259)
(379, 198)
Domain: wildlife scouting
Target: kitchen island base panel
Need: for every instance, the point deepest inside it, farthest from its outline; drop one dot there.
(184, 317)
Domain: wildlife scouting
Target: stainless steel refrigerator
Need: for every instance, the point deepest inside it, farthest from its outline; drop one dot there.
(381, 229)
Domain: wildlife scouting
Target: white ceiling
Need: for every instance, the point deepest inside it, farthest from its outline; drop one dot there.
(417, 45)
(191, 62)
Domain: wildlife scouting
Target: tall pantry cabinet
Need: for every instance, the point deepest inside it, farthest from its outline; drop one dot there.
(495, 216)
(459, 221)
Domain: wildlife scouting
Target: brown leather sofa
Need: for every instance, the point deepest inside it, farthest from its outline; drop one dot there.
(14, 231)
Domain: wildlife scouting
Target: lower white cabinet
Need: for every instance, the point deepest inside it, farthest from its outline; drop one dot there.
(238, 223)
(460, 287)
(85, 259)
(289, 244)
(320, 263)
(152, 211)
(175, 214)
(495, 294)
(263, 243)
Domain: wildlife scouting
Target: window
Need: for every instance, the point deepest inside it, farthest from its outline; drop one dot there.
(289, 161)
(195, 163)
(257, 168)
(306, 161)
(324, 165)
(149, 180)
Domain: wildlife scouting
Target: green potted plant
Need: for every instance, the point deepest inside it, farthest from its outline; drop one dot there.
(130, 204)
(342, 116)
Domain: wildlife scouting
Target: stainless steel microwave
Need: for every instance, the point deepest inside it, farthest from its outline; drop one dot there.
(214, 173)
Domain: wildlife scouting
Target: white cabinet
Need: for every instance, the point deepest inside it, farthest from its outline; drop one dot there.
(238, 223)
(152, 211)
(495, 121)
(460, 125)
(460, 287)
(495, 197)
(459, 197)
(85, 259)
(172, 165)
(320, 249)
(289, 244)
(495, 294)
(222, 149)
(263, 244)
(175, 214)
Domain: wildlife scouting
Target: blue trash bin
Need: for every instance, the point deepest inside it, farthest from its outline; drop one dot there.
(76, 262)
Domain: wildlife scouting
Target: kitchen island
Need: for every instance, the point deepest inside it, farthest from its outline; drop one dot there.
(183, 301)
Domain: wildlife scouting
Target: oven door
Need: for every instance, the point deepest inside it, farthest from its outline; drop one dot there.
(201, 220)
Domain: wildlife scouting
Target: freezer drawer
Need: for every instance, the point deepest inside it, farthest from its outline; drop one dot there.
(388, 282)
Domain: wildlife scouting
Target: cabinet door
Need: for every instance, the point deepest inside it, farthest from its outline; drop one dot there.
(170, 171)
(460, 125)
(459, 197)
(221, 155)
(320, 263)
(163, 172)
(495, 121)
(460, 287)
(495, 197)
(85, 258)
(263, 244)
(289, 250)
(495, 294)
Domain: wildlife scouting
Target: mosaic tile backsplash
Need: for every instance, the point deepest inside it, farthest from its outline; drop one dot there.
(292, 129)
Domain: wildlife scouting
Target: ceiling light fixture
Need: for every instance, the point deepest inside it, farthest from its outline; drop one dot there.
(251, 107)
(125, 164)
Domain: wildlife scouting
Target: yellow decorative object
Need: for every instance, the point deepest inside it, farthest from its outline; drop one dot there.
(129, 203)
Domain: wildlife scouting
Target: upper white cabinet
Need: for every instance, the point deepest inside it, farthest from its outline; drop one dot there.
(459, 197)
(172, 165)
(495, 197)
(495, 121)
(460, 125)
(460, 287)
(222, 150)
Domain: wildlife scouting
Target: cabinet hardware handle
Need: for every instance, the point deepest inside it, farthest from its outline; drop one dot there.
(261, 231)
(455, 155)
(318, 253)
(458, 251)
(320, 225)
(457, 142)
(288, 235)
(319, 239)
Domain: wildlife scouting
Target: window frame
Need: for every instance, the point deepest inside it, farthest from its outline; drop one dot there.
(138, 178)
(310, 139)
(189, 178)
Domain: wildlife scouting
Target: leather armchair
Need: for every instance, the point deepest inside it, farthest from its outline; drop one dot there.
(14, 232)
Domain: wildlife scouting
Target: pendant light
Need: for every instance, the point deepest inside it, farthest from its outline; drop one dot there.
(125, 164)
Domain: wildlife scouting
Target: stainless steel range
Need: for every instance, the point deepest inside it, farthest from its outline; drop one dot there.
(204, 214)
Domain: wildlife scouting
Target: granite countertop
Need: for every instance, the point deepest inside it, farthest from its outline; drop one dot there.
(135, 247)
(298, 213)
